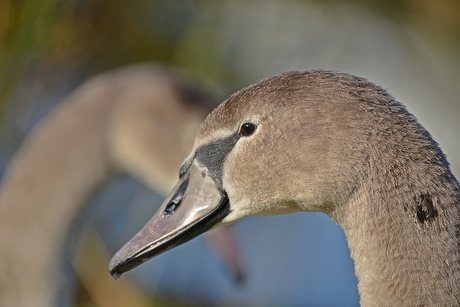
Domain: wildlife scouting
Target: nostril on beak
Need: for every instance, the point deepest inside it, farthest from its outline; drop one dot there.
(171, 207)
(176, 199)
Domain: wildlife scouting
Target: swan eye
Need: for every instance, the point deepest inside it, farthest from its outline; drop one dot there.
(246, 129)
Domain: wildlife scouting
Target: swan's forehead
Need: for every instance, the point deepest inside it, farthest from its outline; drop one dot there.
(251, 104)
(216, 128)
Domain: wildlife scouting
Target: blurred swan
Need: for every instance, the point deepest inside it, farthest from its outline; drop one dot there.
(141, 120)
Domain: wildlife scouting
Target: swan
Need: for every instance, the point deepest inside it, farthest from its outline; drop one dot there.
(322, 141)
(120, 120)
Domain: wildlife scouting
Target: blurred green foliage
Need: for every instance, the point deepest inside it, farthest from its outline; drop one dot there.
(100, 34)
(95, 34)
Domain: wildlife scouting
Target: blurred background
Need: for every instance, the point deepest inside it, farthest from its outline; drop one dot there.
(49, 47)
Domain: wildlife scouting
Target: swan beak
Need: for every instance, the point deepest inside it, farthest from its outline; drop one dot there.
(195, 205)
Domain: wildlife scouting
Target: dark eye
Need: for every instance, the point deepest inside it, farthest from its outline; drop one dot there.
(246, 129)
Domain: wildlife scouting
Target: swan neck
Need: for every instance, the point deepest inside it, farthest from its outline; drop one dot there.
(405, 245)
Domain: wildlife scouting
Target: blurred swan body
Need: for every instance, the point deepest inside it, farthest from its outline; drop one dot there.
(141, 119)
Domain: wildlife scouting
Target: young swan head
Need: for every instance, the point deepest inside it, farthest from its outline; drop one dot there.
(292, 143)
(299, 141)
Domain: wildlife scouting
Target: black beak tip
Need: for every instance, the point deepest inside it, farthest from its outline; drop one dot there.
(115, 274)
(115, 269)
(118, 267)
